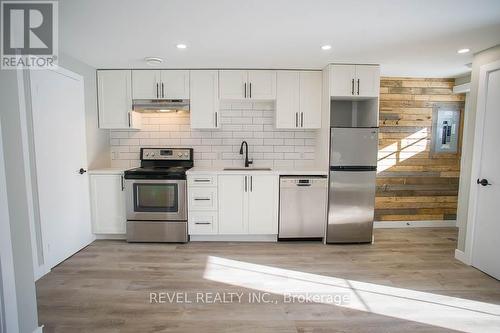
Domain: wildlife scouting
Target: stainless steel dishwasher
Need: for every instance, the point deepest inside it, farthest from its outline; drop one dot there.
(303, 204)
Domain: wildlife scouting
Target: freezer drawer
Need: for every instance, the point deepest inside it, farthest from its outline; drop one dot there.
(303, 204)
(353, 146)
(351, 206)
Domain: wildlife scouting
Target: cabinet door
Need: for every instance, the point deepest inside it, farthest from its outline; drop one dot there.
(233, 216)
(367, 80)
(233, 84)
(204, 91)
(114, 96)
(261, 84)
(146, 84)
(263, 205)
(108, 204)
(342, 80)
(174, 84)
(287, 99)
(310, 99)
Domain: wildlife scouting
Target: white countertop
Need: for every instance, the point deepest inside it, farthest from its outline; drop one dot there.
(279, 172)
(107, 171)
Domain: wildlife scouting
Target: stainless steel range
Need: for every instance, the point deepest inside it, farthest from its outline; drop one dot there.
(156, 195)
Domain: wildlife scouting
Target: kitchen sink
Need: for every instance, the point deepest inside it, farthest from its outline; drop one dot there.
(246, 169)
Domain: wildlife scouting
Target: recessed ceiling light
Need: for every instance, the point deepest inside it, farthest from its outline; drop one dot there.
(326, 47)
(462, 51)
(153, 61)
(181, 46)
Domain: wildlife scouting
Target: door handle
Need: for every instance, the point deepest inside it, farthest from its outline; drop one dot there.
(358, 86)
(202, 223)
(202, 199)
(250, 89)
(162, 91)
(216, 120)
(245, 183)
(157, 93)
(82, 171)
(302, 119)
(296, 119)
(245, 90)
(251, 183)
(352, 87)
(123, 184)
(483, 182)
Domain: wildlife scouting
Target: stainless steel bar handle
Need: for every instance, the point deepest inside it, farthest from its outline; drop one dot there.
(296, 119)
(251, 183)
(216, 120)
(250, 89)
(352, 87)
(302, 119)
(162, 91)
(157, 93)
(358, 86)
(123, 184)
(202, 223)
(245, 90)
(245, 183)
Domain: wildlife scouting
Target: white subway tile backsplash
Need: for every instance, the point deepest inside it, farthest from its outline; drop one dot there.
(240, 120)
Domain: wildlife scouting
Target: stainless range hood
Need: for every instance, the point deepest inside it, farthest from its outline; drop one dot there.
(160, 105)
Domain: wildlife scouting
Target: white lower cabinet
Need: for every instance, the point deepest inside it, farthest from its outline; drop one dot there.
(248, 204)
(202, 205)
(233, 204)
(107, 204)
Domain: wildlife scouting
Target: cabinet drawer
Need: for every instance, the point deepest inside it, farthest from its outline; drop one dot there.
(202, 198)
(202, 223)
(202, 180)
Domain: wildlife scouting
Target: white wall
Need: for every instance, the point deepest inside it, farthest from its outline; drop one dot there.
(97, 139)
(250, 121)
(481, 58)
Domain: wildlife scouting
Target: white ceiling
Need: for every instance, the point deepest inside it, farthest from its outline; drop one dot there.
(407, 37)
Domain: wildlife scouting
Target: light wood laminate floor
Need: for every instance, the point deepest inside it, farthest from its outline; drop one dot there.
(407, 281)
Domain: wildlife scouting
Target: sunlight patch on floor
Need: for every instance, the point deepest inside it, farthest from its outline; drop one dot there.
(423, 307)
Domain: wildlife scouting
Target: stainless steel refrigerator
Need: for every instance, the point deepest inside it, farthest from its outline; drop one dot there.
(353, 165)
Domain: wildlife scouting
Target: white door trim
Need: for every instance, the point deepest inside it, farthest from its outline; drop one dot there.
(476, 156)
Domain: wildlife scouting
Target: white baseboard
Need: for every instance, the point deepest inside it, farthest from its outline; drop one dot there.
(415, 224)
(111, 236)
(233, 238)
(460, 256)
(38, 329)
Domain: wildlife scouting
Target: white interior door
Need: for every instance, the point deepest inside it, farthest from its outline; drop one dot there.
(486, 223)
(60, 151)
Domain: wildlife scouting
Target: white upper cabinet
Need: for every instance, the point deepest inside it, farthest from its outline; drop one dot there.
(354, 80)
(146, 84)
(262, 205)
(204, 103)
(261, 85)
(251, 84)
(233, 84)
(367, 80)
(298, 99)
(160, 84)
(287, 99)
(174, 84)
(114, 94)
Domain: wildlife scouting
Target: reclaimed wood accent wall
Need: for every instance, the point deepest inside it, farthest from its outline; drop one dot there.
(413, 185)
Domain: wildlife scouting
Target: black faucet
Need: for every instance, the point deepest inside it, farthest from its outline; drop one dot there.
(247, 162)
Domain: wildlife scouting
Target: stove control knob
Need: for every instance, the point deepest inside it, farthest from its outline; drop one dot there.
(152, 154)
(186, 154)
(179, 154)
